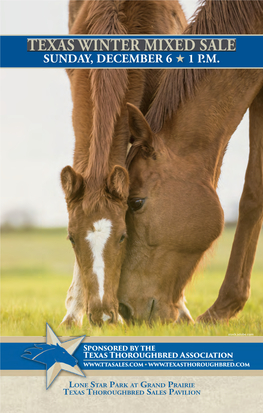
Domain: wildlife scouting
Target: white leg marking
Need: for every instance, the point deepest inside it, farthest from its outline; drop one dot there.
(97, 240)
(75, 303)
(184, 313)
(120, 319)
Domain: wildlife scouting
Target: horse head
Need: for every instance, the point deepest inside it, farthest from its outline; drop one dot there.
(174, 215)
(49, 354)
(97, 232)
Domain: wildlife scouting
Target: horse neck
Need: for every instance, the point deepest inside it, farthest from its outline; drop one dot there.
(82, 118)
(200, 130)
(83, 127)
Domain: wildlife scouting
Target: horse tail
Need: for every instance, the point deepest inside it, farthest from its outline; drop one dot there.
(108, 88)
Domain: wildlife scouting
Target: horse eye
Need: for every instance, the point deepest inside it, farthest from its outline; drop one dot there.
(71, 240)
(122, 238)
(136, 203)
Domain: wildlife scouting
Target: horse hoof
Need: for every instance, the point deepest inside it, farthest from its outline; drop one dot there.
(184, 314)
(69, 321)
(209, 317)
(184, 318)
(120, 319)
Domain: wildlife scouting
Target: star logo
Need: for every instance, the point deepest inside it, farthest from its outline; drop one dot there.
(180, 59)
(56, 355)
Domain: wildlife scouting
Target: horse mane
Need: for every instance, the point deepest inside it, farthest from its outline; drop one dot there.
(211, 17)
(108, 88)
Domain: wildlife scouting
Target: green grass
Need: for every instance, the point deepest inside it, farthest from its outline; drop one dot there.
(37, 270)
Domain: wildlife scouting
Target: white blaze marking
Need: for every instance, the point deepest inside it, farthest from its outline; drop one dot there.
(97, 240)
(105, 317)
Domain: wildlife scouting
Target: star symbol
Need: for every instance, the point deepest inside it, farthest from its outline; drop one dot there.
(180, 59)
(70, 346)
(56, 355)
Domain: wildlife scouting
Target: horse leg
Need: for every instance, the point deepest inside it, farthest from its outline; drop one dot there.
(184, 313)
(75, 301)
(235, 289)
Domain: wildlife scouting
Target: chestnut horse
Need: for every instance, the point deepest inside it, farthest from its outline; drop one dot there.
(174, 213)
(96, 188)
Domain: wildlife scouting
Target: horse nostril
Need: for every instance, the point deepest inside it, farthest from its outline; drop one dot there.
(125, 311)
(94, 323)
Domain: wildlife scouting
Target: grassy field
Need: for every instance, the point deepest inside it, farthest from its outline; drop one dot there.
(36, 273)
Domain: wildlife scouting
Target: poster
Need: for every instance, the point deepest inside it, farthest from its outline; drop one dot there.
(37, 142)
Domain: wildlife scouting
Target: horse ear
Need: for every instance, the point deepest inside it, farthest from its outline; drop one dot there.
(72, 183)
(139, 127)
(118, 183)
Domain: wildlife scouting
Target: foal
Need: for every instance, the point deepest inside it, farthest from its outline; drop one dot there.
(96, 188)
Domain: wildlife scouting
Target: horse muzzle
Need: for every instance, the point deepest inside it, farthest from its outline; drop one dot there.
(98, 319)
(147, 314)
(153, 311)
